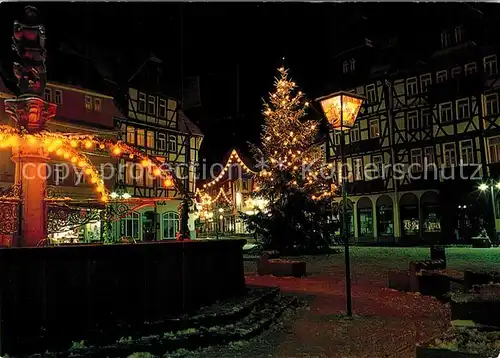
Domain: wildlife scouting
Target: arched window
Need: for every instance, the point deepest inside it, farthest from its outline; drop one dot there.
(170, 224)
(129, 225)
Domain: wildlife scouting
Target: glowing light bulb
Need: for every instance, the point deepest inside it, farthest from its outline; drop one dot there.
(88, 171)
(59, 151)
(157, 171)
(102, 146)
(74, 144)
(116, 150)
(93, 180)
(131, 156)
(66, 155)
(73, 160)
(81, 163)
(88, 144)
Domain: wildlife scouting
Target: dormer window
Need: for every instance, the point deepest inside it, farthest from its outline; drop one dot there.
(445, 39)
(459, 34)
(345, 67)
(349, 66)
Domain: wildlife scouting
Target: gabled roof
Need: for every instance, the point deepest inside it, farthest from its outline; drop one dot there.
(234, 158)
(187, 126)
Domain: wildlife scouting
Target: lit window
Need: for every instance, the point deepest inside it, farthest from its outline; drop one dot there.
(425, 82)
(378, 162)
(150, 179)
(354, 133)
(97, 104)
(429, 155)
(150, 139)
(416, 159)
(441, 76)
(162, 111)
(151, 105)
(162, 142)
(140, 137)
(490, 65)
(371, 94)
(47, 95)
(336, 137)
(411, 86)
(463, 109)
(470, 68)
(491, 104)
(413, 122)
(131, 135)
(172, 143)
(494, 149)
(466, 152)
(60, 173)
(427, 117)
(449, 154)
(142, 103)
(374, 128)
(129, 173)
(88, 103)
(58, 96)
(445, 112)
(139, 174)
(357, 169)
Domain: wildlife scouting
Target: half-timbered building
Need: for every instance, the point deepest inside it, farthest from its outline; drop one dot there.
(426, 136)
(156, 124)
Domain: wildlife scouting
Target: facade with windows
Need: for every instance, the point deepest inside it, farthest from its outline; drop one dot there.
(156, 125)
(230, 193)
(425, 132)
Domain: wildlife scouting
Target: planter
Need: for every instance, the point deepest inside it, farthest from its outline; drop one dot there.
(428, 284)
(461, 343)
(481, 308)
(280, 267)
(481, 242)
(433, 284)
(472, 278)
(399, 280)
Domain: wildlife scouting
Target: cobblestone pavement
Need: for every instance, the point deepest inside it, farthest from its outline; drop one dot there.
(387, 323)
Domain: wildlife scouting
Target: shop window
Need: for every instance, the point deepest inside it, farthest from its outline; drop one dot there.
(365, 221)
(170, 224)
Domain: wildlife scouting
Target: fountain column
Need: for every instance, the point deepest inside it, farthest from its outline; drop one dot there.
(30, 113)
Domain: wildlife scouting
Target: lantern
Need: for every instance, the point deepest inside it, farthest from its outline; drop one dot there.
(341, 109)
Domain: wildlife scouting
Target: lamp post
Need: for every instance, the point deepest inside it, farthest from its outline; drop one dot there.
(491, 185)
(119, 192)
(341, 110)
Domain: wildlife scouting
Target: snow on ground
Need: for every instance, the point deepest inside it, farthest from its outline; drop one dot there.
(387, 323)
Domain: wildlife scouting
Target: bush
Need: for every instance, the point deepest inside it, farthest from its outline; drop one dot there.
(470, 341)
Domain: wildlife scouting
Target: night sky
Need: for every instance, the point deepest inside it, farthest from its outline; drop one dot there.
(219, 38)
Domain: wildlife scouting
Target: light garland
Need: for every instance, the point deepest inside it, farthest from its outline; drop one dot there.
(233, 158)
(69, 146)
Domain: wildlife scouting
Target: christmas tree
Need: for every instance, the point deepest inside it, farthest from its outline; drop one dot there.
(293, 177)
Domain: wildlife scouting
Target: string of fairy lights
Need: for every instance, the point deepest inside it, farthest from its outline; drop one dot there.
(70, 147)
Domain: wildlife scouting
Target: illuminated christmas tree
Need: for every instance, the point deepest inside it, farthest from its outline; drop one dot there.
(293, 178)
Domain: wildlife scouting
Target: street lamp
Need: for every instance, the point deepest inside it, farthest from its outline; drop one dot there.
(483, 187)
(119, 191)
(341, 110)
